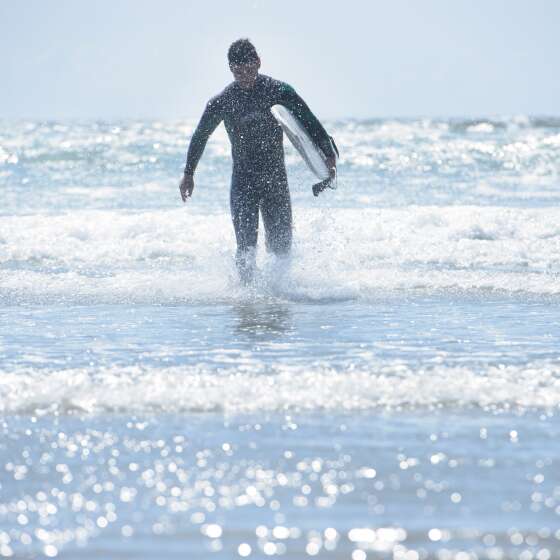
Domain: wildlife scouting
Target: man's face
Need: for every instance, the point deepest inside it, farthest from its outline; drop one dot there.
(246, 74)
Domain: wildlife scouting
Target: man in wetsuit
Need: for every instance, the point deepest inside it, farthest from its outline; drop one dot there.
(259, 180)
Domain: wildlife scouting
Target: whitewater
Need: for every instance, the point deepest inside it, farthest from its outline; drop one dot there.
(389, 391)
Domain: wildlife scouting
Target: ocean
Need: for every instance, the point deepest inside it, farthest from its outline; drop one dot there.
(390, 391)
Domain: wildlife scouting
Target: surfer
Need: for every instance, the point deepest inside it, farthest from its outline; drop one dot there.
(259, 180)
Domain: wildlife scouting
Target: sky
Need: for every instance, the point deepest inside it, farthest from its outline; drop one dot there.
(66, 59)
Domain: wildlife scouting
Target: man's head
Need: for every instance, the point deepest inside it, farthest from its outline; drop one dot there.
(244, 62)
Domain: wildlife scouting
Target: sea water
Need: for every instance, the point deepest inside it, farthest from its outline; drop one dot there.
(390, 391)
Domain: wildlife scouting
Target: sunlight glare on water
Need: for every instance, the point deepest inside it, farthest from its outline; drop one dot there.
(391, 391)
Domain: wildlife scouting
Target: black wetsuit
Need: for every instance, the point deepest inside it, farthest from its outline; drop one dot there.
(259, 175)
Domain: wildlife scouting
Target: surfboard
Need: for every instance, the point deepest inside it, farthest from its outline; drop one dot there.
(306, 147)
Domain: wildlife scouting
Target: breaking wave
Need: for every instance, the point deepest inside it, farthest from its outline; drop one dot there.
(164, 256)
(275, 388)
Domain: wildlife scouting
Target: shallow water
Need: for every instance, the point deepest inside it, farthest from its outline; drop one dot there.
(391, 391)
(298, 485)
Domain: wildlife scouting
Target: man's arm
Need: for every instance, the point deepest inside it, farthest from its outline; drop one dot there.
(292, 101)
(210, 119)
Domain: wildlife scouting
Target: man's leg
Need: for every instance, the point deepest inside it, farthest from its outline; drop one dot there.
(244, 204)
(276, 211)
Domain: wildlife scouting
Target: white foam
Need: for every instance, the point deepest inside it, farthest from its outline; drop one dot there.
(165, 255)
(255, 387)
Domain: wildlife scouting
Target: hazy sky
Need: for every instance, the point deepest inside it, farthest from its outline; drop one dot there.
(165, 58)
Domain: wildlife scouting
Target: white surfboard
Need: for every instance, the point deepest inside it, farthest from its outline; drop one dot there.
(302, 142)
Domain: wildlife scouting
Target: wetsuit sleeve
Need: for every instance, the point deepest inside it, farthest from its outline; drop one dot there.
(292, 101)
(210, 119)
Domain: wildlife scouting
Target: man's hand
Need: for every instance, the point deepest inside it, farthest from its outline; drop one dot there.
(186, 187)
(331, 164)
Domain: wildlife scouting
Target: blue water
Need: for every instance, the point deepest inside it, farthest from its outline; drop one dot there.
(391, 392)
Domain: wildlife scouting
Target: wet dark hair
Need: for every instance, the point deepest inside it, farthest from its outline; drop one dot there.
(242, 51)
